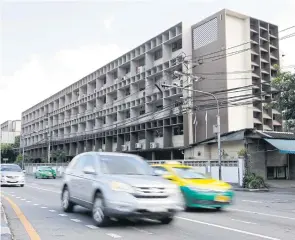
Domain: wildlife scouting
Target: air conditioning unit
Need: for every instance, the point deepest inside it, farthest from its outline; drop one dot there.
(153, 145)
(124, 78)
(124, 148)
(138, 145)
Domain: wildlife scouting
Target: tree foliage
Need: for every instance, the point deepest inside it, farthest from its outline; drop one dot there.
(59, 155)
(285, 84)
(8, 152)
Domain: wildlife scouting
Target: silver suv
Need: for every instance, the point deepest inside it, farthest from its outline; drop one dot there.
(116, 185)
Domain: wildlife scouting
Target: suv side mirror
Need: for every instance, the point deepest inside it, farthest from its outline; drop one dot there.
(89, 170)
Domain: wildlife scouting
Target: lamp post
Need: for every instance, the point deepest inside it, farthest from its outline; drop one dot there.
(218, 120)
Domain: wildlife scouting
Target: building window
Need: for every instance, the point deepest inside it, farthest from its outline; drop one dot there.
(127, 92)
(176, 45)
(104, 120)
(127, 138)
(105, 81)
(114, 139)
(127, 70)
(103, 141)
(115, 75)
(141, 112)
(158, 54)
(178, 131)
(115, 118)
(127, 114)
(104, 99)
(158, 133)
(159, 107)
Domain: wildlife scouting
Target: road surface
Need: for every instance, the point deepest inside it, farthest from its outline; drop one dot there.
(34, 212)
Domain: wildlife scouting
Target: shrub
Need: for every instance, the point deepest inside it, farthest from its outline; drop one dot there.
(252, 181)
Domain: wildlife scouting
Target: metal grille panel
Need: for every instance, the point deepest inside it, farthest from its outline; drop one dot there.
(205, 34)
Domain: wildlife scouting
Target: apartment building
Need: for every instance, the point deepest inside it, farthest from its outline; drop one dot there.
(9, 130)
(236, 51)
(120, 106)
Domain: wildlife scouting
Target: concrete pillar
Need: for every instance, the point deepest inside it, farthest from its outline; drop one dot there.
(133, 140)
(80, 147)
(109, 144)
(149, 137)
(72, 149)
(120, 142)
(153, 155)
(88, 144)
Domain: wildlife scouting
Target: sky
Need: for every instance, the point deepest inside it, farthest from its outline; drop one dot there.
(48, 45)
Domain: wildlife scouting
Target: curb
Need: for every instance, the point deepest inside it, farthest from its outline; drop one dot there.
(251, 190)
(5, 230)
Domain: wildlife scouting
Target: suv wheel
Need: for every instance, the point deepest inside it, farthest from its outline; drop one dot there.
(67, 204)
(98, 211)
(166, 220)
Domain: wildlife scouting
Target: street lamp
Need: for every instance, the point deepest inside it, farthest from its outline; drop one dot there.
(218, 119)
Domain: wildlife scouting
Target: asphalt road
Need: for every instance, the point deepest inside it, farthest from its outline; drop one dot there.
(253, 216)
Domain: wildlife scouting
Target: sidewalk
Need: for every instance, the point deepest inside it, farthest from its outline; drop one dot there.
(283, 184)
(5, 230)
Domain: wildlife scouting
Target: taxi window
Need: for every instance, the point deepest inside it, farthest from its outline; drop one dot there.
(160, 171)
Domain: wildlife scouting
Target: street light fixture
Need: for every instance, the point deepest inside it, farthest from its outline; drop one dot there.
(218, 119)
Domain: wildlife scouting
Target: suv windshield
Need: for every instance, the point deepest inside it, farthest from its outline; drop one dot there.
(124, 165)
(188, 173)
(10, 168)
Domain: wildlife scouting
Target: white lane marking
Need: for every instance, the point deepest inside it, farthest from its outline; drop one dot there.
(11, 192)
(228, 228)
(113, 235)
(43, 207)
(75, 220)
(142, 231)
(63, 215)
(17, 197)
(91, 226)
(52, 210)
(36, 204)
(263, 214)
(12, 195)
(44, 189)
(28, 201)
(23, 199)
(237, 220)
(252, 201)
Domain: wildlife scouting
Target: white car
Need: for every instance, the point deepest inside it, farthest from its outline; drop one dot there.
(12, 175)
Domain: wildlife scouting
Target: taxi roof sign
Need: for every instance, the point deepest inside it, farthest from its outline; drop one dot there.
(172, 162)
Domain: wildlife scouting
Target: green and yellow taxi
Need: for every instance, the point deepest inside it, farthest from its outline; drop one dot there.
(45, 172)
(199, 191)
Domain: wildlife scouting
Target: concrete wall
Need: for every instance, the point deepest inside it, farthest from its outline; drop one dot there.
(210, 84)
(206, 151)
(237, 32)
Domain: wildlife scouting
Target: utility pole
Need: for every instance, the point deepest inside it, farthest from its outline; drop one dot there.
(23, 145)
(49, 139)
(217, 116)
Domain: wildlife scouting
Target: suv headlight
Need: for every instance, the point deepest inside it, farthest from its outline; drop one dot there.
(121, 187)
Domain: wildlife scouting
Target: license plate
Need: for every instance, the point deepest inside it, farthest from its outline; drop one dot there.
(157, 209)
(222, 199)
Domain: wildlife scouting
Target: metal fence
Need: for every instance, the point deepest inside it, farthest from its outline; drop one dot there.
(231, 170)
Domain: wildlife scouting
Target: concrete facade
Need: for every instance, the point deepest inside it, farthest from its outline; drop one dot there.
(9, 130)
(119, 108)
(242, 51)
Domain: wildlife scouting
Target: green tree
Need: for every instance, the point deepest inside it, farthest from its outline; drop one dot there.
(59, 155)
(285, 84)
(8, 152)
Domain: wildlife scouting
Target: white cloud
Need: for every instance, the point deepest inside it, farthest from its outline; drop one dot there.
(39, 78)
(108, 22)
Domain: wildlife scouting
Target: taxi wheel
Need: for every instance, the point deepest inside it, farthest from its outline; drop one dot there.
(22, 185)
(218, 208)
